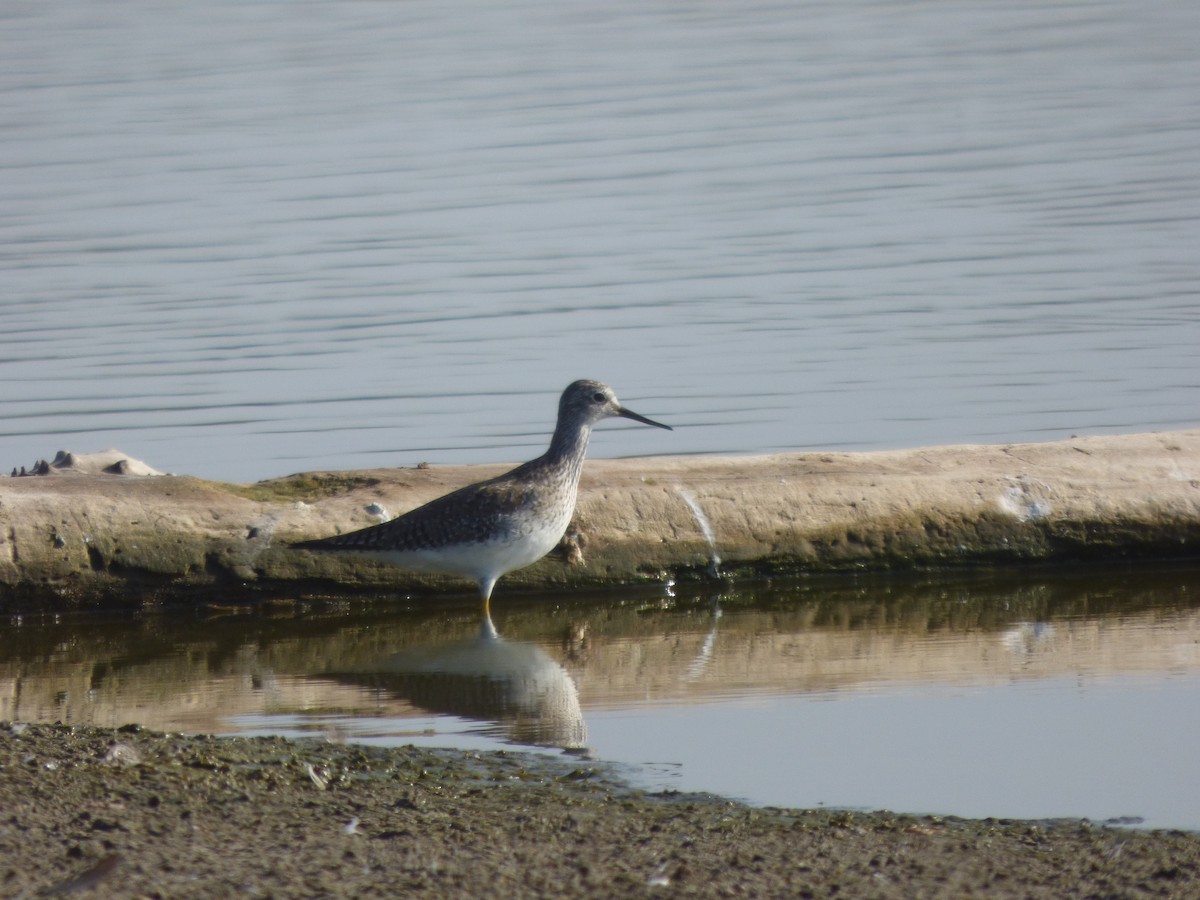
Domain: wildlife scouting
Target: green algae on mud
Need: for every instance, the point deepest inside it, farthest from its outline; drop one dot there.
(134, 813)
(306, 487)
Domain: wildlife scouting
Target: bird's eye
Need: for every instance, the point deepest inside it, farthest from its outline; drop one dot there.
(598, 397)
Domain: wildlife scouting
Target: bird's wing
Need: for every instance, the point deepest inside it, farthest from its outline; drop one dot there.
(471, 514)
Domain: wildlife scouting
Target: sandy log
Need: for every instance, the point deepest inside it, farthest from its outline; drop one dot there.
(80, 533)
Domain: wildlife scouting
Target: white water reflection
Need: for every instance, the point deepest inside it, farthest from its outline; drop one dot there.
(513, 684)
(239, 240)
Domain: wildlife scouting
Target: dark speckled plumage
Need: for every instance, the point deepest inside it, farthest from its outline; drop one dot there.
(486, 529)
(470, 515)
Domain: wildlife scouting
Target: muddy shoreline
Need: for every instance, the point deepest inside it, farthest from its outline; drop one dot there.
(134, 813)
(129, 812)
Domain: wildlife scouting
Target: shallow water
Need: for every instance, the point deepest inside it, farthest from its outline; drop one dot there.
(1010, 696)
(240, 240)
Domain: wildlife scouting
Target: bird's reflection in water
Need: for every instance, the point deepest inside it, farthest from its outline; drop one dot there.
(514, 684)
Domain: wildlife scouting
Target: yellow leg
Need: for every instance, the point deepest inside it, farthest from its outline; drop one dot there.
(485, 592)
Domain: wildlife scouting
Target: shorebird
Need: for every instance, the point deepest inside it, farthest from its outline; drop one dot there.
(485, 530)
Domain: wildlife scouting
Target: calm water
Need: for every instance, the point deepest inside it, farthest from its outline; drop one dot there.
(1014, 697)
(243, 239)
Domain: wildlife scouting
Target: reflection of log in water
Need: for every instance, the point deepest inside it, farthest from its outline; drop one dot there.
(514, 684)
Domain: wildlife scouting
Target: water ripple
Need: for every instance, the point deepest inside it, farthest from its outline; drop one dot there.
(235, 238)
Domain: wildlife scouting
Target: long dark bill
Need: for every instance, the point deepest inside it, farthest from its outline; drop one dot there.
(630, 414)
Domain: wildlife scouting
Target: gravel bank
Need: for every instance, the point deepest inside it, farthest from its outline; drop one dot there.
(133, 813)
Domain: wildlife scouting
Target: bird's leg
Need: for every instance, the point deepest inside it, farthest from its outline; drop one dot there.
(486, 583)
(487, 631)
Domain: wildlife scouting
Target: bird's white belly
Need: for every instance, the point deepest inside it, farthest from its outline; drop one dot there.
(484, 559)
